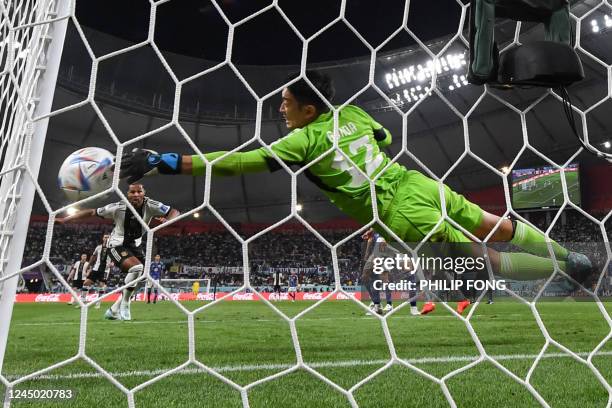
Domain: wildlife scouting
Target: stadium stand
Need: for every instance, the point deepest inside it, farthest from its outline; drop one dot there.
(190, 255)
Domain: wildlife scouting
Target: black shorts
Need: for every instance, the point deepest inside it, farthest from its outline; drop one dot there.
(277, 288)
(97, 276)
(120, 253)
(77, 284)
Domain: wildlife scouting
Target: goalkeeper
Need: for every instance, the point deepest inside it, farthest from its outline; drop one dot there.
(408, 202)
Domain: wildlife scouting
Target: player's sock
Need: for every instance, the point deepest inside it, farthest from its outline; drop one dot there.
(374, 294)
(100, 292)
(127, 295)
(412, 294)
(155, 297)
(84, 292)
(521, 266)
(133, 273)
(456, 294)
(531, 240)
(369, 288)
(388, 296)
(115, 307)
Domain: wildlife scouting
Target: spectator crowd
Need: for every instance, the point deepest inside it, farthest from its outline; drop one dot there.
(194, 255)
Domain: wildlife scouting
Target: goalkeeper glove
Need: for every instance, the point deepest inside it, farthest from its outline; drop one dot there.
(142, 162)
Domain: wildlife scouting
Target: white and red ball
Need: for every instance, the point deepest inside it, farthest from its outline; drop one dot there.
(86, 172)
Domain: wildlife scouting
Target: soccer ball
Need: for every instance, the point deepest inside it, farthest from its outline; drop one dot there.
(86, 172)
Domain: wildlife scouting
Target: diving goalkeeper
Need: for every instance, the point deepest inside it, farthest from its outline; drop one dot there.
(408, 201)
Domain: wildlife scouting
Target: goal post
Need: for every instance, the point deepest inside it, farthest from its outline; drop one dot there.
(186, 285)
(32, 49)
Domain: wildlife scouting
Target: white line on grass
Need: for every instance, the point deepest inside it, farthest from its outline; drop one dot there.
(320, 364)
(279, 320)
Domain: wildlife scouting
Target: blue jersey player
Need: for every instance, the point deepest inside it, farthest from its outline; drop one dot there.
(377, 248)
(293, 284)
(157, 268)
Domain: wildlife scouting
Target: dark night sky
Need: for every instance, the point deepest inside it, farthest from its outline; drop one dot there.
(195, 28)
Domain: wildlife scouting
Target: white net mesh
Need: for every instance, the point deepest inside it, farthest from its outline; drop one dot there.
(24, 26)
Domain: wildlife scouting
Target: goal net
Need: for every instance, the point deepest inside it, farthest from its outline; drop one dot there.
(188, 289)
(31, 40)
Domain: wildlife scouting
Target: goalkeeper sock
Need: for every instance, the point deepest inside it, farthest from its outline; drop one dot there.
(531, 240)
(521, 266)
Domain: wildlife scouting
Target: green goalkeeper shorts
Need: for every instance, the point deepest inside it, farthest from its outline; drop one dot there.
(416, 209)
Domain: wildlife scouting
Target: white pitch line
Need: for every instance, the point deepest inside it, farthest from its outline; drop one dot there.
(321, 364)
(279, 320)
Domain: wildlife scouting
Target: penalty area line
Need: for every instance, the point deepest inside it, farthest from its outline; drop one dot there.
(315, 365)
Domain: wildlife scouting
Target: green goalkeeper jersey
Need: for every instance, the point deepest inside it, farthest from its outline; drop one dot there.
(360, 138)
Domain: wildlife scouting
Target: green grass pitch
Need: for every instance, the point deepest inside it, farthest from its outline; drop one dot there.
(248, 341)
(544, 195)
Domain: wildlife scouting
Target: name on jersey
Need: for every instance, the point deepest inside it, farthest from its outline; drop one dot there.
(344, 130)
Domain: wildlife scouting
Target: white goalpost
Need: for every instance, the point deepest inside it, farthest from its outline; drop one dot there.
(31, 40)
(186, 285)
(30, 51)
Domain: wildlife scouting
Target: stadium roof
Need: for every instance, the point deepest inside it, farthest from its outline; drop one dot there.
(195, 28)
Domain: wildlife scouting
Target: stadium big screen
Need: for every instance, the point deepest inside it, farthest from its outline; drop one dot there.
(540, 187)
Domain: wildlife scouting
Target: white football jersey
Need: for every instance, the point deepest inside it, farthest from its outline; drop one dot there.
(278, 278)
(101, 256)
(127, 229)
(80, 270)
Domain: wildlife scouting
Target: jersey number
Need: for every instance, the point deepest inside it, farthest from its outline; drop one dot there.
(371, 162)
